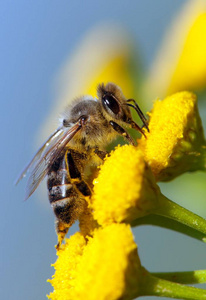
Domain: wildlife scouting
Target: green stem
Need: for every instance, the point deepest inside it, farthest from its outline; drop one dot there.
(203, 157)
(164, 222)
(154, 286)
(172, 210)
(190, 277)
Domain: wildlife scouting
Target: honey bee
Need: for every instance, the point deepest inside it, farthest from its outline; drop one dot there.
(87, 126)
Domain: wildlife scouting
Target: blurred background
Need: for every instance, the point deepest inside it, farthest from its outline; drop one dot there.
(52, 51)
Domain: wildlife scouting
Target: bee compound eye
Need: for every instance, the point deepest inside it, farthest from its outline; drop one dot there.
(111, 103)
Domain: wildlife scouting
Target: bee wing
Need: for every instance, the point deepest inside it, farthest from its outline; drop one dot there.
(37, 156)
(48, 156)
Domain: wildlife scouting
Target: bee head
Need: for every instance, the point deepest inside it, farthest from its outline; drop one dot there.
(114, 103)
(116, 106)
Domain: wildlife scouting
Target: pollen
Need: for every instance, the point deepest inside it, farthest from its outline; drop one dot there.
(100, 271)
(175, 138)
(125, 187)
(68, 258)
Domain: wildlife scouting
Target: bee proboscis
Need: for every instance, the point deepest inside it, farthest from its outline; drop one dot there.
(88, 125)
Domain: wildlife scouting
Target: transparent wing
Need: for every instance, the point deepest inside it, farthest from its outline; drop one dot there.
(47, 159)
(42, 149)
(46, 156)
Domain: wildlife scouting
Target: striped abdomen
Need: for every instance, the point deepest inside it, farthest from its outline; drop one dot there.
(67, 190)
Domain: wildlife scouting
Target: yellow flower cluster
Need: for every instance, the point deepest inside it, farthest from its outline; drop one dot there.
(175, 142)
(131, 182)
(68, 259)
(104, 268)
(101, 261)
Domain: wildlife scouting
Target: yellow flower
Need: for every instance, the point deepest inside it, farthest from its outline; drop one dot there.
(125, 190)
(181, 61)
(101, 261)
(125, 187)
(107, 267)
(65, 266)
(175, 142)
(192, 60)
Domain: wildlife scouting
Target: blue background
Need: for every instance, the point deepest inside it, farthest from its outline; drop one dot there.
(36, 38)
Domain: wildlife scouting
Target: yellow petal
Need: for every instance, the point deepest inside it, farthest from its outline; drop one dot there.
(181, 61)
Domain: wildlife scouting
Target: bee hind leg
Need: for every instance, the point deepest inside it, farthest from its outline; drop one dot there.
(67, 214)
(61, 230)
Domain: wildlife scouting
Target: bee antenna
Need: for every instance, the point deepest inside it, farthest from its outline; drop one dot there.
(140, 113)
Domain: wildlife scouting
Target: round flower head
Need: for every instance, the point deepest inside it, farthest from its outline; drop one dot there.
(65, 266)
(175, 141)
(125, 188)
(107, 267)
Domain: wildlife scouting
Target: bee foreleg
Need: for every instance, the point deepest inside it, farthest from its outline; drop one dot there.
(120, 130)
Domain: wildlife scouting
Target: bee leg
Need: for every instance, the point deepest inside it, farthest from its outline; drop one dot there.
(61, 230)
(83, 188)
(67, 213)
(122, 132)
(101, 154)
(75, 173)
